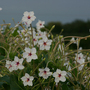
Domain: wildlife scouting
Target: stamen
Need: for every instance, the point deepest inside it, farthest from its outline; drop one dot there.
(29, 54)
(59, 75)
(28, 17)
(45, 72)
(17, 63)
(45, 43)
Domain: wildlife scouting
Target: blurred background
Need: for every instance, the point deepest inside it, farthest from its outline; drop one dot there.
(71, 15)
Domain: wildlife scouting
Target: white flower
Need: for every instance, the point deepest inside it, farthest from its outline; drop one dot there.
(40, 24)
(2, 30)
(80, 49)
(67, 65)
(61, 48)
(73, 40)
(59, 75)
(30, 32)
(26, 40)
(81, 67)
(42, 34)
(45, 43)
(77, 41)
(30, 54)
(35, 40)
(0, 8)
(18, 63)
(9, 65)
(28, 17)
(27, 24)
(80, 58)
(88, 58)
(45, 73)
(27, 80)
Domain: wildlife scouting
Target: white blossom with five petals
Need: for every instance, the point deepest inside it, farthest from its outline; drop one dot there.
(59, 75)
(45, 73)
(45, 43)
(30, 54)
(9, 65)
(17, 63)
(28, 17)
(27, 80)
(40, 24)
(80, 58)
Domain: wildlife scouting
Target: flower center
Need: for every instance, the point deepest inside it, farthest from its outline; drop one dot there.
(10, 66)
(28, 79)
(34, 39)
(39, 34)
(28, 17)
(59, 75)
(79, 57)
(29, 54)
(40, 24)
(44, 43)
(17, 63)
(45, 72)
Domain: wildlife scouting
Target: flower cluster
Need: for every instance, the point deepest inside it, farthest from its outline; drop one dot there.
(14, 65)
(41, 57)
(39, 39)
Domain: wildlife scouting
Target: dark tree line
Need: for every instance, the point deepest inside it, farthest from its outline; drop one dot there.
(77, 27)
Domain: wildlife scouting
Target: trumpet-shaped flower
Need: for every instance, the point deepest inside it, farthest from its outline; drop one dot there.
(45, 43)
(45, 73)
(30, 54)
(61, 48)
(59, 75)
(18, 63)
(73, 40)
(40, 24)
(28, 17)
(27, 79)
(9, 65)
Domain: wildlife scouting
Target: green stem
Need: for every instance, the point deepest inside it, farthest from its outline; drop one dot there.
(32, 34)
(37, 66)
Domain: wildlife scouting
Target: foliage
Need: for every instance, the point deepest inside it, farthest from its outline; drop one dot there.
(73, 65)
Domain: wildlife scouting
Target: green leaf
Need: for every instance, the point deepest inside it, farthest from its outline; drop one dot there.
(2, 51)
(1, 83)
(15, 33)
(1, 57)
(14, 85)
(5, 79)
(6, 86)
(65, 87)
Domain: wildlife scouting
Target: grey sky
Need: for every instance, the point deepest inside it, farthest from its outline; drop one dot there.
(45, 10)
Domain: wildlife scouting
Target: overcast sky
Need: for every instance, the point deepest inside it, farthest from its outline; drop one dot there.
(45, 10)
